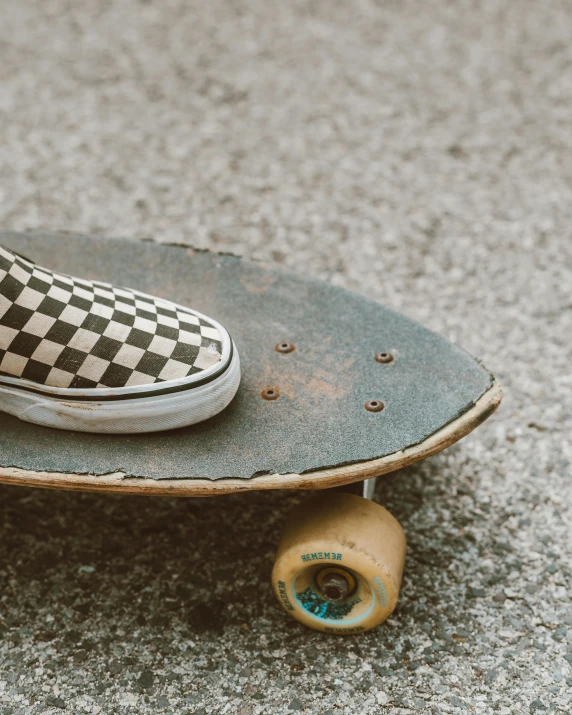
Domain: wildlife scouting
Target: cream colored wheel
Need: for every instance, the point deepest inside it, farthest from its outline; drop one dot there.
(339, 563)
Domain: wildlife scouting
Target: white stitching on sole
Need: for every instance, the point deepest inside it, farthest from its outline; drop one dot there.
(148, 414)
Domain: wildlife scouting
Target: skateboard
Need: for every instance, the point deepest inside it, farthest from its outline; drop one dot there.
(337, 390)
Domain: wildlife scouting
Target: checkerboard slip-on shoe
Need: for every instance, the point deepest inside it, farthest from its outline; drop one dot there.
(86, 356)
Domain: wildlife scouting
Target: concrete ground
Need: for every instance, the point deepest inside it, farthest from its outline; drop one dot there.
(419, 153)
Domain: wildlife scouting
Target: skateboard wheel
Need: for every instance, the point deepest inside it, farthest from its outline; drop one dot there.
(339, 564)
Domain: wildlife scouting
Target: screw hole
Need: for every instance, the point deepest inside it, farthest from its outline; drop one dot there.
(271, 393)
(285, 347)
(384, 357)
(374, 406)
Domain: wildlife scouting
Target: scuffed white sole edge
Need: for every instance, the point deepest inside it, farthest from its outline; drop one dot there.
(148, 414)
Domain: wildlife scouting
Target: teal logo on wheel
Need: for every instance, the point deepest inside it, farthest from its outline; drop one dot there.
(318, 606)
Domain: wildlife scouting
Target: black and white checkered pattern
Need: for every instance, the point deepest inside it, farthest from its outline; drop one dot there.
(65, 332)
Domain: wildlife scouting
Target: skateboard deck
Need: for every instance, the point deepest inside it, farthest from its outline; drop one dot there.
(336, 388)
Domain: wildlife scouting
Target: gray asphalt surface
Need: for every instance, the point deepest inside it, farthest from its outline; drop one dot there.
(419, 153)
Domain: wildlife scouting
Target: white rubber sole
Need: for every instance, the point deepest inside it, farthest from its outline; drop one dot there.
(149, 413)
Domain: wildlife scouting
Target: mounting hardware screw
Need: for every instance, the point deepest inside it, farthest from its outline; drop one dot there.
(374, 406)
(271, 393)
(285, 347)
(384, 357)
